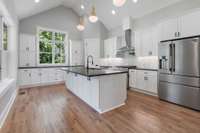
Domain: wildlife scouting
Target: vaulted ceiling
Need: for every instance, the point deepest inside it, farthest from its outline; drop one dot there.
(26, 8)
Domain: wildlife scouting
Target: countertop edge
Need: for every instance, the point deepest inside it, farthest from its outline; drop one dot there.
(97, 75)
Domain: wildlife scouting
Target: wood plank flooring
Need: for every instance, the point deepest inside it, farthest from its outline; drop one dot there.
(52, 109)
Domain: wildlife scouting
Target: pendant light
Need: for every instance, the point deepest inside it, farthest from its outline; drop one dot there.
(119, 3)
(81, 25)
(93, 16)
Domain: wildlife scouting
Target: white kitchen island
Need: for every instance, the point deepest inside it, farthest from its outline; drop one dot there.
(103, 90)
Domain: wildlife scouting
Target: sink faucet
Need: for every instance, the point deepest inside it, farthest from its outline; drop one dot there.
(88, 57)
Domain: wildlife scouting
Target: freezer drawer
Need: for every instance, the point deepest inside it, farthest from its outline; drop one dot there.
(179, 94)
(183, 80)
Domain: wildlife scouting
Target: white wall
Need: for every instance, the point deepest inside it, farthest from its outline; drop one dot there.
(95, 30)
(8, 88)
(59, 18)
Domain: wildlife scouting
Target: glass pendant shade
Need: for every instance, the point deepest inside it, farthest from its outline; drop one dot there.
(119, 3)
(81, 26)
(93, 17)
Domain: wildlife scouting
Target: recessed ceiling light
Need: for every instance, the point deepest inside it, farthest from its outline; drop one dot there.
(113, 12)
(135, 1)
(82, 7)
(37, 1)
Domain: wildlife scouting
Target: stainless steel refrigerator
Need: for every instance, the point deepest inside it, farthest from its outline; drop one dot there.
(179, 72)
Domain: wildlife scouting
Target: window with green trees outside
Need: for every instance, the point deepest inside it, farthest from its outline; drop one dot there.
(51, 47)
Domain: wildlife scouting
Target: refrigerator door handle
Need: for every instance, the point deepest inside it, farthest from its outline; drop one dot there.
(173, 58)
(170, 57)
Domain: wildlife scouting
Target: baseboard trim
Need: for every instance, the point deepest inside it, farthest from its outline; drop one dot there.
(144, 92)
(41, 84)
(115, 107)
(7, 109)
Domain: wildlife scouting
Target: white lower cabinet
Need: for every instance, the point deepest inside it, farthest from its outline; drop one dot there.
(143, 80)
(38, 76)
(24, 77)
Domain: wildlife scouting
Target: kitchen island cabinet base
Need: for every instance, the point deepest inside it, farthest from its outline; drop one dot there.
(102, 93)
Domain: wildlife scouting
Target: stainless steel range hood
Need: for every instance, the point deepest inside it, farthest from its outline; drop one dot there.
(128, 48)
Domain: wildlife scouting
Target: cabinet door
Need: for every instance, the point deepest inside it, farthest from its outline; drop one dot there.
(132, 78)
(24, 59)
(140, 82)
(76, 53)
(32, 58)
(190, 24)
(170, 29)
(24, 42)
(44, 75)
(24, 77)
(27, 42)
(151, 81)
(52, 74)
(32, 43)
(147, 43)
(59, 75)
(35, 76)
(27, 58)
(138, 43)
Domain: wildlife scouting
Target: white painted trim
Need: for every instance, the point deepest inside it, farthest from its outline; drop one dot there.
(41, 84)
(7, 109)
(111, 109)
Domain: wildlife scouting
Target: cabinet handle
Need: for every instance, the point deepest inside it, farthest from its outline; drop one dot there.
(175, 34)
(29, 74)
(179, 34)
(150, 53)
(145, 78)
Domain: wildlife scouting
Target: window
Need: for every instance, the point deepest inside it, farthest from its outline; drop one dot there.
(51, 47)
(5, 37)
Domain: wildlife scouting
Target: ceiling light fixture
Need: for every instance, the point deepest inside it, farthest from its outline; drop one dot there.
(113, 12)
(37, 1)
(93, 16)
(82, 7)
(119, 3)
(81, 26)
(135, 1)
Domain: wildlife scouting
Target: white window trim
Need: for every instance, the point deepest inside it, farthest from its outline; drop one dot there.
(38, 47)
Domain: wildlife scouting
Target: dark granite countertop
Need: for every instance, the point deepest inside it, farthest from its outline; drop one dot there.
(34, 67)
(93, 72)
(131, 67)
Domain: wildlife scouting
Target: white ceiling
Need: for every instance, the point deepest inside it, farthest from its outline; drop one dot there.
(25, 8)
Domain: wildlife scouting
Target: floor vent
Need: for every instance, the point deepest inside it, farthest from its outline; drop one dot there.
(22, 92)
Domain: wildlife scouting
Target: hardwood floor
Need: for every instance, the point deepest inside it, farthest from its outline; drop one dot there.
(52, 109)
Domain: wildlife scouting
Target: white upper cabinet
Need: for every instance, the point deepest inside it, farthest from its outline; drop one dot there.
(183, 26)
(171, 29)
(27, 42)
(27, 50)
(110, 47)
(146, 41)
(190, 24)
(76, 53)
(92, 47)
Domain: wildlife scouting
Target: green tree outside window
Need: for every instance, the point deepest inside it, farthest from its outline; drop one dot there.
(51, 47)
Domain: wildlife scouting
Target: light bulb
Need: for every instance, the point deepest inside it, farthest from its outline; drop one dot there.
(37, 1)
(135, 1)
